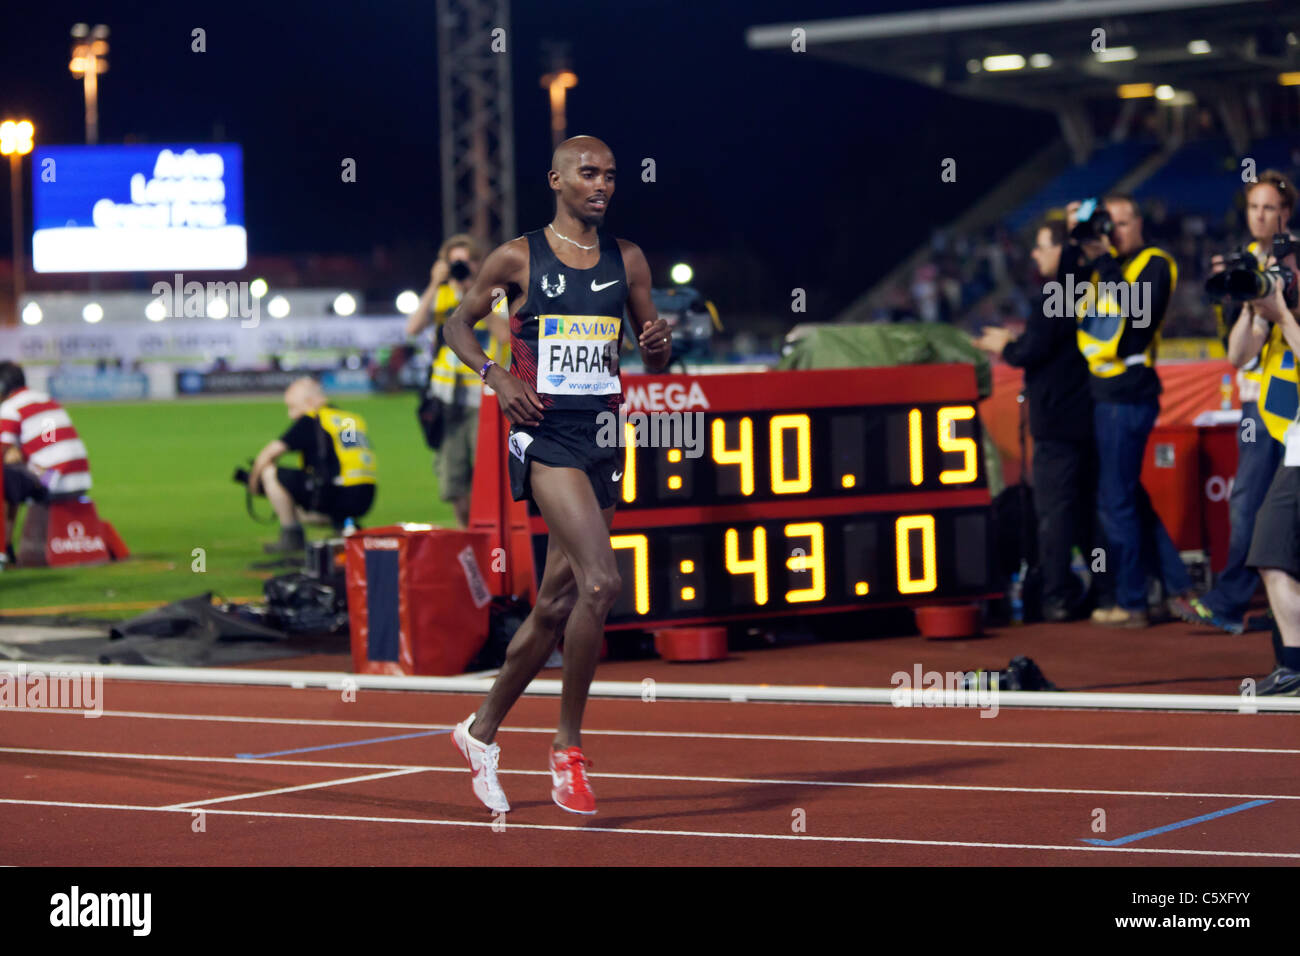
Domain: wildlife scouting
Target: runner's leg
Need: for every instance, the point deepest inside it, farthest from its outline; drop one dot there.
(531, 645)
(537, 636)
(574, 517)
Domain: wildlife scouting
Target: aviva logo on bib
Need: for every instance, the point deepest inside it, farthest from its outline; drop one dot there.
(578, 327)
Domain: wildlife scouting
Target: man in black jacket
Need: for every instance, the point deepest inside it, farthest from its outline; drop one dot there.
(1060, 421)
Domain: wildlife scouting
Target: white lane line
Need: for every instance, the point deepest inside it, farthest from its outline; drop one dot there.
(338, 680)
(1085, 848)
(683, 735)
(279, 790)
(418, 768)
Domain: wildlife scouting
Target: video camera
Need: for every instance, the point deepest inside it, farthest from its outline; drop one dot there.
(1093, 222)
(691, 319)
(1242, 279)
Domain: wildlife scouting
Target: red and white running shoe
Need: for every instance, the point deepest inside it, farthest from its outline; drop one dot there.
(570, 788)
(482, 759)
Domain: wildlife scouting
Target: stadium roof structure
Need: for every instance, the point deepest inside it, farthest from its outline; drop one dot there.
(1205, 51)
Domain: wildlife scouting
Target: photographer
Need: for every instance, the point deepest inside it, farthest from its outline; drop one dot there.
(337, 480)
(1269, 205)
(1124, 303)
(1275, 545)
(1060, 420)
(450, 409)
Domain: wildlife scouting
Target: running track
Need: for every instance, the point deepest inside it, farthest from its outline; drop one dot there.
(232, 775)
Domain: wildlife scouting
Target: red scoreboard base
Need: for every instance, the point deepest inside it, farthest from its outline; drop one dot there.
(692, 643)
(948, 621)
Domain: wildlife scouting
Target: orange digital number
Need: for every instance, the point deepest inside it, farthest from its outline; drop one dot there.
(917, 472)
(950, 442)
(742, 456)
(756, 565)
(629, 463)
(929, 578)
(813, 561)
(640, 567)
(802, 481)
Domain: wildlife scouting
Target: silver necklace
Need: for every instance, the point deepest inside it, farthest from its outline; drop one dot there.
(567, 239)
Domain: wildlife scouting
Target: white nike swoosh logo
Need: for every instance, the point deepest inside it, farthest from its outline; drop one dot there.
(597, 288)
(616, 476)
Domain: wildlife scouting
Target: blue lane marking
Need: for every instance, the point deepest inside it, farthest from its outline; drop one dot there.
(350, 743)
(1179, 825)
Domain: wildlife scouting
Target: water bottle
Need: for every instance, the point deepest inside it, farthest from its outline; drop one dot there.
(1017, 594)
(349, 528)
(1225, 392)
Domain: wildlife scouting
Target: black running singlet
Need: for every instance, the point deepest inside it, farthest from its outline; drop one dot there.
(565, 339)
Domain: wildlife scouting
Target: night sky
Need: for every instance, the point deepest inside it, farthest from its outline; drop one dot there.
(775, 170)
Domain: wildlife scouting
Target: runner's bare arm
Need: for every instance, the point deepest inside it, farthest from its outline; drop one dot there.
(504, 273)
(651, 331)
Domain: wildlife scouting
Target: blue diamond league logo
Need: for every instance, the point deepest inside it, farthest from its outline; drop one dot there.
(556, 379)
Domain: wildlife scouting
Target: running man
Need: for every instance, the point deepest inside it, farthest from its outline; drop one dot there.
(568, 286)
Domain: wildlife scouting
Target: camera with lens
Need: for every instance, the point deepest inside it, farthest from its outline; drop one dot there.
(460, 270)
(241, 476)
(1242, 279)
(1093, 222)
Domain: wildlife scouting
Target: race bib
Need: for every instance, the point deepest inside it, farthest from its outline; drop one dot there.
(577, 355)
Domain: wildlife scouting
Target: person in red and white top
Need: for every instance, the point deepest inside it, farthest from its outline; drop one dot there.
(43, 455)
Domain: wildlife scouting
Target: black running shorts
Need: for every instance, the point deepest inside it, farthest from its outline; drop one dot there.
(565, 441)
(1276, 542)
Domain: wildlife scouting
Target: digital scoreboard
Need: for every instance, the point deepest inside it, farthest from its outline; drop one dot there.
(138, 208)
(762, 494)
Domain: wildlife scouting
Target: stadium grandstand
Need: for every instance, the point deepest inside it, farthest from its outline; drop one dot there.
(1147, 106)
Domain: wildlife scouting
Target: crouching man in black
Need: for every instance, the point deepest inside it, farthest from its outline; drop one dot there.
(338, 477)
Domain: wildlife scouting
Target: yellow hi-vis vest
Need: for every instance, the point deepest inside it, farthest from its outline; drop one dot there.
(347, 431)
(450, 379)
(1279, 391)
(1100, 331)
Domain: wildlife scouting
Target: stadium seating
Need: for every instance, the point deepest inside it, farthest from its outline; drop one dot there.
(1102, 171)
(1204, 177)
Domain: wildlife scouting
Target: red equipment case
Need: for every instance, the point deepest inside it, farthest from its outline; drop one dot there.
(417, 599)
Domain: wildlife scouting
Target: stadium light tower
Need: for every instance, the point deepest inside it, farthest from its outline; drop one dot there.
(89, 59)
(475, 115)
(16, 142)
